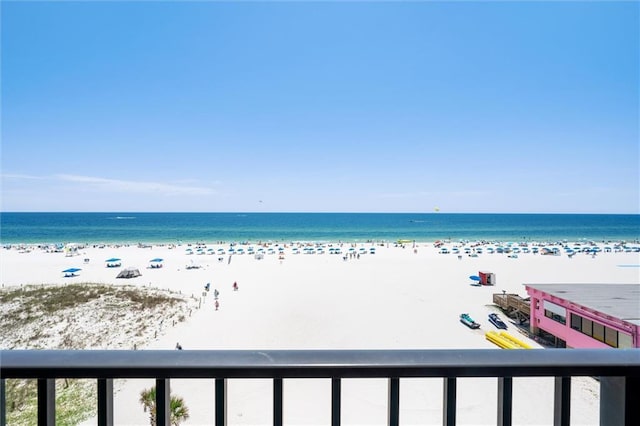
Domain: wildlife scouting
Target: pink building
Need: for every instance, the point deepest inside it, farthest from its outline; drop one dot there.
(587, 315)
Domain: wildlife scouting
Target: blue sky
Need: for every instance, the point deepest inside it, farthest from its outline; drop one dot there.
(321, 106)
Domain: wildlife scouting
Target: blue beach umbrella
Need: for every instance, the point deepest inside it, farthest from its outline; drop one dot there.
(71, 272)
(474, 277)
(157, 259)
(113, 259)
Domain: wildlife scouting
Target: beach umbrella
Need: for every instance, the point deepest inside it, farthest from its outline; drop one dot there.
(113, 259)
(157, 259)
(71, 272)
(474, 277)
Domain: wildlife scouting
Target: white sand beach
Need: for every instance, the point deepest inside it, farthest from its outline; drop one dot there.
(397, 298)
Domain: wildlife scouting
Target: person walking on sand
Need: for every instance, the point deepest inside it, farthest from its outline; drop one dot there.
(216, 293)
(235, 286)
(217, 305)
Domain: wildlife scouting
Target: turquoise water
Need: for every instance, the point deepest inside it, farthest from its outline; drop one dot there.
(212, 227)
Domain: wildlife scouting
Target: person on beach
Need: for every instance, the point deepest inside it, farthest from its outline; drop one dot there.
(216, 293)
(217, 305)
(178, 346)
(235, 286)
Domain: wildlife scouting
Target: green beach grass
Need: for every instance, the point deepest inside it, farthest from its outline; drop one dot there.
(79, 316)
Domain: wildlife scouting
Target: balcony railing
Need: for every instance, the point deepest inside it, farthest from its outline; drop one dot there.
(617, 369)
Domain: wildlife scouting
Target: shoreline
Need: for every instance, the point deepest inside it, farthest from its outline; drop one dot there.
(290, 242)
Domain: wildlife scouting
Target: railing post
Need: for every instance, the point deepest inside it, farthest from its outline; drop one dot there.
(394, 402)
(46, 402)
(618, 401)
(221, 402)
(449, 403)
(562, 401)
(632, 411)
(336, 398)
(3, 403)
(505, 397)
(105, 402)
(163, 402)
(277, 401)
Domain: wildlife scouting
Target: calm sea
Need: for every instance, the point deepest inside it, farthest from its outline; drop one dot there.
(212, 227)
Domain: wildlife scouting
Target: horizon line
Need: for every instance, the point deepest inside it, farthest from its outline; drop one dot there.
(311, 212)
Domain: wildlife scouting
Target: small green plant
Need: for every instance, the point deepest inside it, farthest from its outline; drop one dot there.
(178, 411)
(29, 320)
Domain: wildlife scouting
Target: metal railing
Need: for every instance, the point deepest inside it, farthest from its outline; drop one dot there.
(617, 369)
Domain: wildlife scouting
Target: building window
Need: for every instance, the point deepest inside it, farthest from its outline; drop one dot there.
(611, 337)
(601, 332)
(625, 341)
(598, 331)
(555, 312)
(576, 322)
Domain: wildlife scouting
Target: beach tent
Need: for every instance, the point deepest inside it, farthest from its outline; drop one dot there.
(156, 263)
(192, 265)
(129, 273)
(71, 249)
(114, 262)
(487, 278)
(71, 272)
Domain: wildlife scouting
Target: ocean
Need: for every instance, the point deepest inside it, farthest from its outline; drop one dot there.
(30, 228)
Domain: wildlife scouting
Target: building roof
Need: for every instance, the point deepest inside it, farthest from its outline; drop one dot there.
(621, 301)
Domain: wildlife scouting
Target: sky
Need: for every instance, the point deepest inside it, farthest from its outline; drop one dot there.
(523, 107)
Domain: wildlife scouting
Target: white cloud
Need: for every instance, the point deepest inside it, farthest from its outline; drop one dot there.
(423, 194)
(130, 186)
(16, 176)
